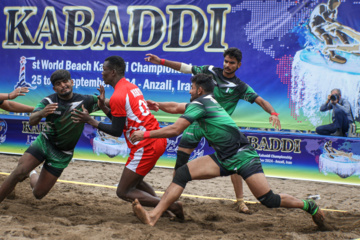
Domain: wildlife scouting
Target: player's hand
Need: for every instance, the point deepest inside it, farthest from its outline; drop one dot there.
(137, 136)
(152, 58)
(20, 91)
(101, 97)
(275, 121)
(152, 105)
(49, 109)
(80, 116)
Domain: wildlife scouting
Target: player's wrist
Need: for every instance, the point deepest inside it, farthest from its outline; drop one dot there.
(274, 114)
(162, 61)
(146, 134)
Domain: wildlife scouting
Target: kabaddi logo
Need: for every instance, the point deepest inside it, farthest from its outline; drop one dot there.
(22, 77)
(3, 130)
(172, 145)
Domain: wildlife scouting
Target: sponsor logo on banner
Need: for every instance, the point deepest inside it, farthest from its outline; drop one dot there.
(3, 130)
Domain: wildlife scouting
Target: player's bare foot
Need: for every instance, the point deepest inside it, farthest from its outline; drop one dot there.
(141, 213)
(241, 207)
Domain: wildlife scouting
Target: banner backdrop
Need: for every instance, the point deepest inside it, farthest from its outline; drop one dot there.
(285, 155)
(294, 52)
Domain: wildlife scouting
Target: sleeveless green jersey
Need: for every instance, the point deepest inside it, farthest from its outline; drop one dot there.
(60, 130)
(228, 91)
(216, 125)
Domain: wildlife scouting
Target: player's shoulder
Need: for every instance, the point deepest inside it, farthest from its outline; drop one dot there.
(53, 98)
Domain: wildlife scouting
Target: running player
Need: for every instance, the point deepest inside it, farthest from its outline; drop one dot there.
(228, 91)
(233, 154)
(55, 145)
(129, 112)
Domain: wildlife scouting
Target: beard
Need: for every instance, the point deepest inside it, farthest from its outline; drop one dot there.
(66, 93)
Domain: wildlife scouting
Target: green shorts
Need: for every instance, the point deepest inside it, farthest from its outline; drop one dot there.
(44, 150)
(191, 136)
(245, 162)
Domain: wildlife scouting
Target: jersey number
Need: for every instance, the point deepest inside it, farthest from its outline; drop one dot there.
(143, 108)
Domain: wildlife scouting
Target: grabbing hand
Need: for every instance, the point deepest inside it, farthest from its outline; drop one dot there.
(137, 136)
(49, 109)
(81, 116)
(152, 58)
(152, 105)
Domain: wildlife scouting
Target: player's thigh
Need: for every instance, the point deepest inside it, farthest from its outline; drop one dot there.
(143, 159)
(203, 168)
(45, 182)
(27, 162)
(258, 184)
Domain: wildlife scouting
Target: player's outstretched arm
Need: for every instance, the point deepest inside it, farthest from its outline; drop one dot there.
(11, 106)
(169, 131)
(273, 119)
(20, 91)
(178, 66)
(169, 107)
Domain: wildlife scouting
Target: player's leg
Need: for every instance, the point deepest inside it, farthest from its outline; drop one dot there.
(200, 168)
(188, 142)
(26, 163)
(132, 185)
(237, 182)
(261, 190)
(249, 167)
(43, 183)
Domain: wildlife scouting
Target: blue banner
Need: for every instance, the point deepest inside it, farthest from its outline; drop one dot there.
(284, 155)
(294, 52)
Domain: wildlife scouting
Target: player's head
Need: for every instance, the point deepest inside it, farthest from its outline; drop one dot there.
(62, 82)
(116, 63)
(201, 84)
(333, 4)
(232, 61)
(234, 53)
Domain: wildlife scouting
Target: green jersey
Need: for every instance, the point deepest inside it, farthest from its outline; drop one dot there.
(228, 91)
(216, 125)
(60, 130)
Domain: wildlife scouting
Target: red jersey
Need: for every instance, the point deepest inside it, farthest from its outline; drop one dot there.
(128, 101)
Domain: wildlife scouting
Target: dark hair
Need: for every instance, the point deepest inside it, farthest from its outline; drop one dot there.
(60, 74)
(233, 52)
(205, 81)
(337, 90)
(117, 63)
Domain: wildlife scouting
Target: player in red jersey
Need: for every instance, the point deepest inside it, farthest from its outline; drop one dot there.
(129, 112)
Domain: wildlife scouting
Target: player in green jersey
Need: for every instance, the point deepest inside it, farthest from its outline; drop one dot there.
(55, 145)
(233, 154)
(229, 89)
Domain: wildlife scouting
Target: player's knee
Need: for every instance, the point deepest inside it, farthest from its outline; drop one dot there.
(181, 159)
(270, 200)
(121, 193)
(39, 195)
(182, 176)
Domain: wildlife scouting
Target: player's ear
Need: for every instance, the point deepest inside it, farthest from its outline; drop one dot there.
(72, 82)
(239, 65)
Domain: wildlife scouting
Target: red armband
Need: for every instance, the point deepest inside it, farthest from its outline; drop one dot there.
(146, 134)
(162, 61)
(275, 113)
